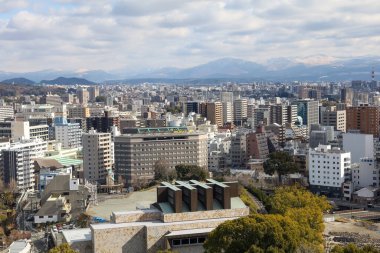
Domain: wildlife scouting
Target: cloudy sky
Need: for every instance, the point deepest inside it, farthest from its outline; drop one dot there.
(144, 34)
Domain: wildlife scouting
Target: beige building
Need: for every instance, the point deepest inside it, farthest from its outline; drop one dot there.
(83, 96)
(136, 154)
(97, 155)
(335, 118)
(215, 113)
(184, 214)
(240, 110)
(79, 112)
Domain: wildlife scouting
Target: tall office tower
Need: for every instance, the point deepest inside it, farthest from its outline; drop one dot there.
(278, 114)
(79, 112)
(364, 118)
(83, 95)
(228, 114)
(347, 96)
(93, 92)
(137, 154)
(327, 169)
(97, 155)
(6, 112)
(226, 96)
(215, 113)
(103, 124)
(69, 134)
(333, 117)
(191, 107)
(308, 110)
(18, 162)
(240, 111)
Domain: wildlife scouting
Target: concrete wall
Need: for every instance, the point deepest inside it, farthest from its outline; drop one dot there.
(212, 214)
(132, 216)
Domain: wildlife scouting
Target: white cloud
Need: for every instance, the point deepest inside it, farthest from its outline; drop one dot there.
(123, 34)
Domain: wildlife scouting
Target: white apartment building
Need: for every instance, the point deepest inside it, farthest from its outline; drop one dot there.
(228, 112)
(6, 112)
(22, 130)
(97, 155)
(367, 174)
(69, 134)
(240, 110)
(40, 110)
(18, 162)
(136, 154)
(327, 169)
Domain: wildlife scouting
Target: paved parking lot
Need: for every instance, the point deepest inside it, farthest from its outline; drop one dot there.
(129, 203)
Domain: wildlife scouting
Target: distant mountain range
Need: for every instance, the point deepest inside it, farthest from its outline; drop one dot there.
(67, 81)
(314, 68)
(18, 80)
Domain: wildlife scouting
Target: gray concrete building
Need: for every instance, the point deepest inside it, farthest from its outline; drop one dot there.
(136, 154)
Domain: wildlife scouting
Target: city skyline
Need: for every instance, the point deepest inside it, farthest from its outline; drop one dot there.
(132, 36)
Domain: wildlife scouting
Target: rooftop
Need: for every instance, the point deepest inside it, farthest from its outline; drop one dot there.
(77, 235)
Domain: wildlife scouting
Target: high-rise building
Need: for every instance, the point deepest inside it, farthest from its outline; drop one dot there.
(347, 96)
(137, 154)
(83, 95)
(215, 113)
(18, 162)
(308, 110)
(328, 169)
(97, 155)
(240, 111)
(278, 114)
(228, 113)
(364, 118)
(360, 145)
(333, 117)
(69, 134)
(93, 92)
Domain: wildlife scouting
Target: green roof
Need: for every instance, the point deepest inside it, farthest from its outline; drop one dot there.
(68, 161)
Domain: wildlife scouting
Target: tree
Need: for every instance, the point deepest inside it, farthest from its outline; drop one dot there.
(280, 162)
(63, 248)
(352, 248)
(162, 171)
(101, 99)
(255, 233)
(190, 172)
(294, 225)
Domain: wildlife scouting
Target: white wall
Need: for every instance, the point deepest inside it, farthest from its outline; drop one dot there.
(44, 219)
(366, 175)
(360, 145)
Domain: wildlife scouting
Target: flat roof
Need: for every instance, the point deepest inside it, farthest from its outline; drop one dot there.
(200, 184)
(189, 232)
(18, 246)
(217, 183)
(185, 184)
(171, 186)
(77, 235)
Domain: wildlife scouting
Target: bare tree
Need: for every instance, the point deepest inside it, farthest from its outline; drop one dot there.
(162, 170)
